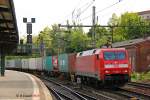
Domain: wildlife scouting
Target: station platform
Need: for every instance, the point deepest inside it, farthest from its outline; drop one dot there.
(22, 86)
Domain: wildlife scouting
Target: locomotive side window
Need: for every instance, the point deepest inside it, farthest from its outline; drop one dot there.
(80, 54)
(97, 56)
(94, 51)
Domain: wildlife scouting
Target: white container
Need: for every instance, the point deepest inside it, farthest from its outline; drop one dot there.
(25, 63)
(32, 64)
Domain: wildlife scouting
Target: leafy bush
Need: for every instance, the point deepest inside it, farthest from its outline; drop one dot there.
(144, 76)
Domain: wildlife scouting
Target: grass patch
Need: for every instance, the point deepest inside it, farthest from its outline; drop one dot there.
(137, 77)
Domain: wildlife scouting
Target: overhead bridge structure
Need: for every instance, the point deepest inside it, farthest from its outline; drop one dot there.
(8, 29)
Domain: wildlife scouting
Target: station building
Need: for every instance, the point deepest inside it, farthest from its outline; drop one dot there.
(145, 14)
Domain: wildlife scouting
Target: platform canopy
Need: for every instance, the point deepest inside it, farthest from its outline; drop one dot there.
(8, 26)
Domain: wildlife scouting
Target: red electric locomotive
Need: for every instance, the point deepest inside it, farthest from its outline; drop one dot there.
(110, 65)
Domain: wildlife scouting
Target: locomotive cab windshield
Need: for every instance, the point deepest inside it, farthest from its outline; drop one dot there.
(111, 55)
(115, 59)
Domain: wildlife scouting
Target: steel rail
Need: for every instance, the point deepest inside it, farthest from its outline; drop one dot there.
(68, 89)
(55, 93)
(139, 84)
(135, 94)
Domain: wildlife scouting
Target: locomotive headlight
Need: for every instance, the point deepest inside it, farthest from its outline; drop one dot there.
(109, 65)
(123, 65)
(106, 71)
(126, 71)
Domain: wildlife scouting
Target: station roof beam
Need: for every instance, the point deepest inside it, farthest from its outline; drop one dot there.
(9, 36)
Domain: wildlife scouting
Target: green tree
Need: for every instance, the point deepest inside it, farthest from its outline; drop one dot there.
(133, 21)
(101, 36)
(34, 40)
(68, 40)
(117, 32)
(132, 26)
(114, 20)
(44, 37)
(78, 40)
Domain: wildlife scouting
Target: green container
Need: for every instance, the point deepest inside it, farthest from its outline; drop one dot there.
(63, 62)
(48, 63)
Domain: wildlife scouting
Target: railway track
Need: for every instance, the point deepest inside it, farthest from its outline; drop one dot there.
(134, 93)
(93, 94)
(57, 96)
(139, 85)
(64, 93)
(122, 94)
(90, 95)
(118, 94)
(99, 96)
(138, 88)
(131, 94)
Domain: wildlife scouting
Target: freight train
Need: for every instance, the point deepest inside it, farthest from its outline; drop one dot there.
(97, 66)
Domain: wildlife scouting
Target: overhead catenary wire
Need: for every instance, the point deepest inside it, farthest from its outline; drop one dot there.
(80, 11)
(101, 10)
(71, 12)
(90, 4)
(77, 8)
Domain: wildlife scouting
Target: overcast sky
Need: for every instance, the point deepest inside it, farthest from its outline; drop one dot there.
(48, 12)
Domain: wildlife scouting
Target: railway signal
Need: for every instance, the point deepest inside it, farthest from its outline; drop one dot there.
(29, 28)
(29, 39)
(29, 32)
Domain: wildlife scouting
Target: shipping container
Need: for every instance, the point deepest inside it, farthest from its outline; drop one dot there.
(32, 64)
(48, 63)
(10, 64)
(25, 63)
(44, 63)
(55, 63)
(71, 62)
(18, 63)
(39, 64)
(63, 62)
